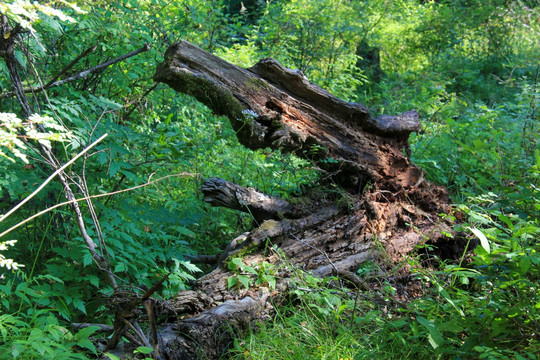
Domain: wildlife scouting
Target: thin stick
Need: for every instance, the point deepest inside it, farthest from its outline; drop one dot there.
(71, 64)
(59, 170)
(137, 330)
(80, 75)
(85, 73)
(90, 197)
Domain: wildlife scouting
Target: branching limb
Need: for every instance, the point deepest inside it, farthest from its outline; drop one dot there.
(219, 192)
(70, 65)
(81, 75)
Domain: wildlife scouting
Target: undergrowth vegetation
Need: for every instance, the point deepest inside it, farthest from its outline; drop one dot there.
(470, 68)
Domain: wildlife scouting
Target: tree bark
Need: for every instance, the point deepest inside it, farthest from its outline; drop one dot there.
(272, 106)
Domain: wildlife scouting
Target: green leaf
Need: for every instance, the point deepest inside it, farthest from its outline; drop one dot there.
(106, 103)
(79, 305)
(184, 231)
(112, 357)
(87, 259)
(483, 240)
(120, 267)
(244, 280)
(94, 280)
(87, 344)
(232, 281)
(131, 176)
(270, 280)
(192, 268)
(144, 350)
(250, 270)
(435, 337)
(51, 277)
(85, 333)
(18, 349)
(236, 264)
(524, 265)
(507, 221)
(113, 169)
(447, 297)
(479, 145)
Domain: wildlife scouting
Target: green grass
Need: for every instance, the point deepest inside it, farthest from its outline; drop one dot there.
(302, 332)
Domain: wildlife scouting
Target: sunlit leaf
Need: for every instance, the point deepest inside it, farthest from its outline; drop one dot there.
(483, 240)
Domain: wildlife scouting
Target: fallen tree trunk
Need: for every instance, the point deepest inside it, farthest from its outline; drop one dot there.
(272, 106)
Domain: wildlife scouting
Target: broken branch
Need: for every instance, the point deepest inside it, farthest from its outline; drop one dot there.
(80, 75)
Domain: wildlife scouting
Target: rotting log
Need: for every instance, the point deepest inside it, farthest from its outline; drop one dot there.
(272, 106)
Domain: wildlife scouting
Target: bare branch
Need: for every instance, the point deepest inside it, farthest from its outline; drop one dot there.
(70, 65)
(102, 327)
(58, 171)
(90, 197)
(80, 75)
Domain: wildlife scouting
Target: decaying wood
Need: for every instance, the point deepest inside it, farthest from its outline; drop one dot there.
(219, 192)
(272, 106)
(207, 335)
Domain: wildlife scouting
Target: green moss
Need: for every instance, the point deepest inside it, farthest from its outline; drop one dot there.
(303, 200)
(256, 84)
(241, 253)
(268, 225)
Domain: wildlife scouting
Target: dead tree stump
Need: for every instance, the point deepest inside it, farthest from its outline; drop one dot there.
(393, 207)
